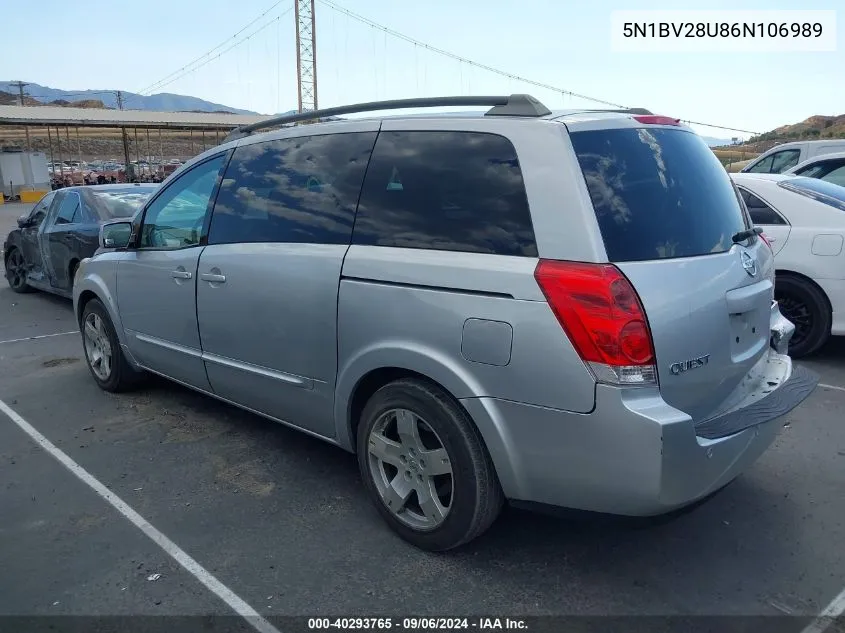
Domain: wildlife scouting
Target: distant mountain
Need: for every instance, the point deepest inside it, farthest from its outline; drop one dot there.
(716, 142)
(162, 102)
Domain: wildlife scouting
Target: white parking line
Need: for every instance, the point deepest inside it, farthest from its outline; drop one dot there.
(32, 338)
(831, 387)
(180, 556)
(828, 616)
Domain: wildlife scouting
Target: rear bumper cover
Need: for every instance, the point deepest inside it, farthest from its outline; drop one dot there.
(635, 454)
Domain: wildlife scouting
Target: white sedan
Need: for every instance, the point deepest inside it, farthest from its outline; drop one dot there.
(804, 221)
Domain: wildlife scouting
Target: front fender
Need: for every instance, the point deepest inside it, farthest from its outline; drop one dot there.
(98, 276)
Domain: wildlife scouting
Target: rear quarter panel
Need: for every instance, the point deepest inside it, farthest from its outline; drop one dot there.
(413, 309)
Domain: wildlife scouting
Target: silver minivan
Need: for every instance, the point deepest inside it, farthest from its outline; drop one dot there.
(570, 309)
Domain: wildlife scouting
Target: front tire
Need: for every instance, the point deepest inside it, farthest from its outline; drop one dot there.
(16, 271)
(425, 466)
(103, 353)
(805, 305)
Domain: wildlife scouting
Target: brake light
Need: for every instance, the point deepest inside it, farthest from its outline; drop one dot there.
(601, 314)
(766, 241)
(656, 119)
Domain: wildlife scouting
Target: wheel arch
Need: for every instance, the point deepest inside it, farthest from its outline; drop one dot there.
(371, 369)
(785, 272)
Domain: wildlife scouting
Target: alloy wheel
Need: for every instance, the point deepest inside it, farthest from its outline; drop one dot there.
(411, 469)
(15, 270)
(98, 348)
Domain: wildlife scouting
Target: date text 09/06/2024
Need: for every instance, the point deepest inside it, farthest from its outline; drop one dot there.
(416, 624)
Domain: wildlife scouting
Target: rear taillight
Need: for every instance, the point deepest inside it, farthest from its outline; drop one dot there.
(601, 313)
(656, 119)
(766, 241)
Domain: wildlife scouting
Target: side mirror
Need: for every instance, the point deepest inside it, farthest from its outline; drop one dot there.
(23, 221)
(115, 234)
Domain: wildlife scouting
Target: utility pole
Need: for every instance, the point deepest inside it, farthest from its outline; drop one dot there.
(127, 167)
(20, 85)
(306, 54)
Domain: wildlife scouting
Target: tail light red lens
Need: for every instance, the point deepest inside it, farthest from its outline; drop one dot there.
(766, 241)
(600, 311)
(656, 119)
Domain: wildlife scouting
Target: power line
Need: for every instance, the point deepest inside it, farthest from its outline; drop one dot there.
(155, 86)
(464, 60)
(497, 71)
(223, 52)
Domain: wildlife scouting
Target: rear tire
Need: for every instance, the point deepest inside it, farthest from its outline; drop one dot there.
(103, 354)
(427, 506)
(806, 306)
(16, 271)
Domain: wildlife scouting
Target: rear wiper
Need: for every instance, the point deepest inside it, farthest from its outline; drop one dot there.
(744, 235)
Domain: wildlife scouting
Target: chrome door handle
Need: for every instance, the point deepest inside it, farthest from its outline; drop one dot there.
(216, 279)
(181, 274)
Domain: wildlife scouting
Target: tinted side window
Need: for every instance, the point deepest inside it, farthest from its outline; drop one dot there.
(36, 217)
(836, 176)
(763, 167)
(68, 209)
(781, 161)
(175, 218)
(452, 191)
(761, 213)
(292, 190)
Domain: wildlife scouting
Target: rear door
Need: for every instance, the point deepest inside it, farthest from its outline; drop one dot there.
(268, 280)
(667, 212)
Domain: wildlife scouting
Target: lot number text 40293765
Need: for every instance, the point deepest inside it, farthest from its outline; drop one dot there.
(418, 624)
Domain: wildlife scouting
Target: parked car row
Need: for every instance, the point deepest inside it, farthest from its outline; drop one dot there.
(61, 230)
(570, 309)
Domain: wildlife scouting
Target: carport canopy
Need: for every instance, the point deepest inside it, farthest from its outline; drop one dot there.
(43, 116)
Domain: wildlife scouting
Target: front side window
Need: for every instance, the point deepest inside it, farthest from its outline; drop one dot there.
(452, 191)
(175, 219)
(301, 189)
(787, 159)
(36, 217)
(763, 167)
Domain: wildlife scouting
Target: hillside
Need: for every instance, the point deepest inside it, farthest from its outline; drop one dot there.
(817, 127)
(162, 102)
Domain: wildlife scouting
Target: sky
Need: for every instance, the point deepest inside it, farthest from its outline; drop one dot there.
(562, 43)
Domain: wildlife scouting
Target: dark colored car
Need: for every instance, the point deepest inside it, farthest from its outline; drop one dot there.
(62, 230)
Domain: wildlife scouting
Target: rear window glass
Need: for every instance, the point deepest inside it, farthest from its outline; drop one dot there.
(821, 190)
(658, 193)
(120, 203)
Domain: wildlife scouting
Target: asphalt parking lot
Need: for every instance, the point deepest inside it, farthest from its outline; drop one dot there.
(282, 520)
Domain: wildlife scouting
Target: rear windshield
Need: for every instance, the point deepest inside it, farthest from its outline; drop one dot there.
(821, 190)
(120, 203)
(658, 193)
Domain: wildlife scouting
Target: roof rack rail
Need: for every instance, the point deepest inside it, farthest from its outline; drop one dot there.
(619, 110)
(513, 105)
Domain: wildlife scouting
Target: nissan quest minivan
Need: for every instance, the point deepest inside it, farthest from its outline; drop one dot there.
(562, 308)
